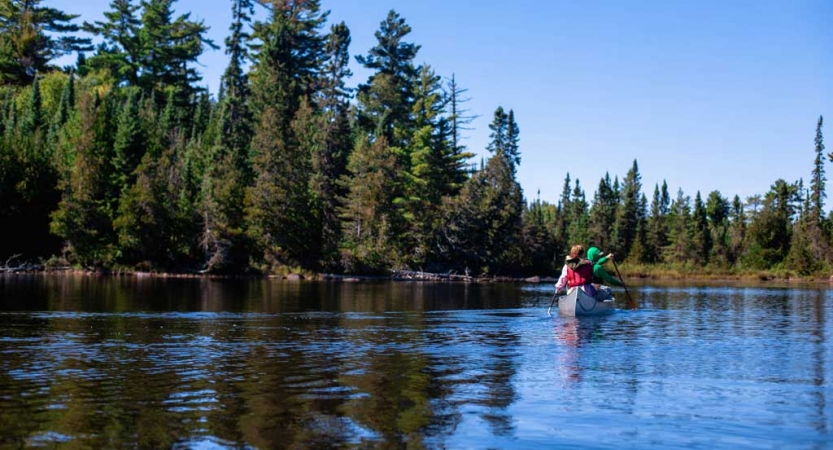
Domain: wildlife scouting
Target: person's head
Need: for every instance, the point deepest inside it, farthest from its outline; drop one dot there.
(577, 251)
(593, 254)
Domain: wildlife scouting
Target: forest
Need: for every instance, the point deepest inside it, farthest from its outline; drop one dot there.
(123, 161)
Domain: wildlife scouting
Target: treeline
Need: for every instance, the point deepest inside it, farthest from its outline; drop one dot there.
(124, 160)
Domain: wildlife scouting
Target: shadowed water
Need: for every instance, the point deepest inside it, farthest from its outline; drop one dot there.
(90, 362)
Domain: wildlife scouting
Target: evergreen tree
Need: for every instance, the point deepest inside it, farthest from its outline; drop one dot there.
(628, 213)
(640, 250)
(458, 121)
(31, 36)
(701, 235)
(288, 55)
(222, 190)
(562, 220)
(120, 53)
(577, 217)
(737, 233)
(602, 214)
(504, 137)
(83, 218)
(368, 212)
(538, 244)
(129, 145)
(329, 165)
(680, 244)
(771, 229)
(67, 103)
(483, 226)
(817, 192)
(718, 210)
(658, 223)
(32, 119)
(426, 182)
(386, 100)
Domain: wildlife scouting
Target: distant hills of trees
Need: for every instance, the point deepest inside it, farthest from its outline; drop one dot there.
(123, 160)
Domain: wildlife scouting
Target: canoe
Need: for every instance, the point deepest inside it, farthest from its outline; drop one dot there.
(577, 303)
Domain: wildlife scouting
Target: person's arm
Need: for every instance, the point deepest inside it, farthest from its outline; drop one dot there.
(562, 280)
(600, 272)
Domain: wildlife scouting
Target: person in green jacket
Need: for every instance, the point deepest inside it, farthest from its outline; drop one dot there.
(600, 275)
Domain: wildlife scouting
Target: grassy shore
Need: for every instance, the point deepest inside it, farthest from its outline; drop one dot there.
(691, 272)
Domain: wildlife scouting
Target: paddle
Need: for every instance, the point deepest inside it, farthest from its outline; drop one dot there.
(631, 303)
(554, 298)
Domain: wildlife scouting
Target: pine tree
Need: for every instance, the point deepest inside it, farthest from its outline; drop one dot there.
(31, 36)
(121, 51)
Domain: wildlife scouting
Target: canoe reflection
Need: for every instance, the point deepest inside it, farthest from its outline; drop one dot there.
(573, 333)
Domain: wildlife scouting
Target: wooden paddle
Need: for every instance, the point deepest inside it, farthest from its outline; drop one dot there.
(631, 303)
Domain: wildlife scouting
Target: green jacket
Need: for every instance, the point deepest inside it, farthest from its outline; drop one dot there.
(600, 275)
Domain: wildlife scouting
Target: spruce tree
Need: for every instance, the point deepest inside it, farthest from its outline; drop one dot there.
(701, 235)
(602, 214)
(577, 217)
(288, 56)
(330, 163)
(83, 218)
(386, 100)
(629, 211)
(679, 249)
(223, 242)
(368, 213)
(737, 233)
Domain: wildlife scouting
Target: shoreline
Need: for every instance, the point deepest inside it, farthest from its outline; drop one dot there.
(411, 276)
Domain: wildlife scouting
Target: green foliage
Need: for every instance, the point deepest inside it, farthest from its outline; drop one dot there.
(368, 213)
(387, 98)
(129, 163)
(31, 36)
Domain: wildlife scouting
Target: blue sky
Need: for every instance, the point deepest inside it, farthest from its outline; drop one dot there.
(708, 95)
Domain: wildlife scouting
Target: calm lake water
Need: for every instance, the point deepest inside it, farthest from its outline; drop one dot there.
(90, 362)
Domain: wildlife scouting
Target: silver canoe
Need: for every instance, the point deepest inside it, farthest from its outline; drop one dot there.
(577, 303)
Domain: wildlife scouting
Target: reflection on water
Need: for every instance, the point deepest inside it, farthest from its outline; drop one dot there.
(88, 362)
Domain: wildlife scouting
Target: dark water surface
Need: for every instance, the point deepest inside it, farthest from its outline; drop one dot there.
(91, 362)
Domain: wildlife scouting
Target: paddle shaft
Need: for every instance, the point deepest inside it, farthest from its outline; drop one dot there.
(554, 298)
(631, 303)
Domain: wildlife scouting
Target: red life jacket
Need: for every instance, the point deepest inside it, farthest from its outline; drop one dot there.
(581, 276)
